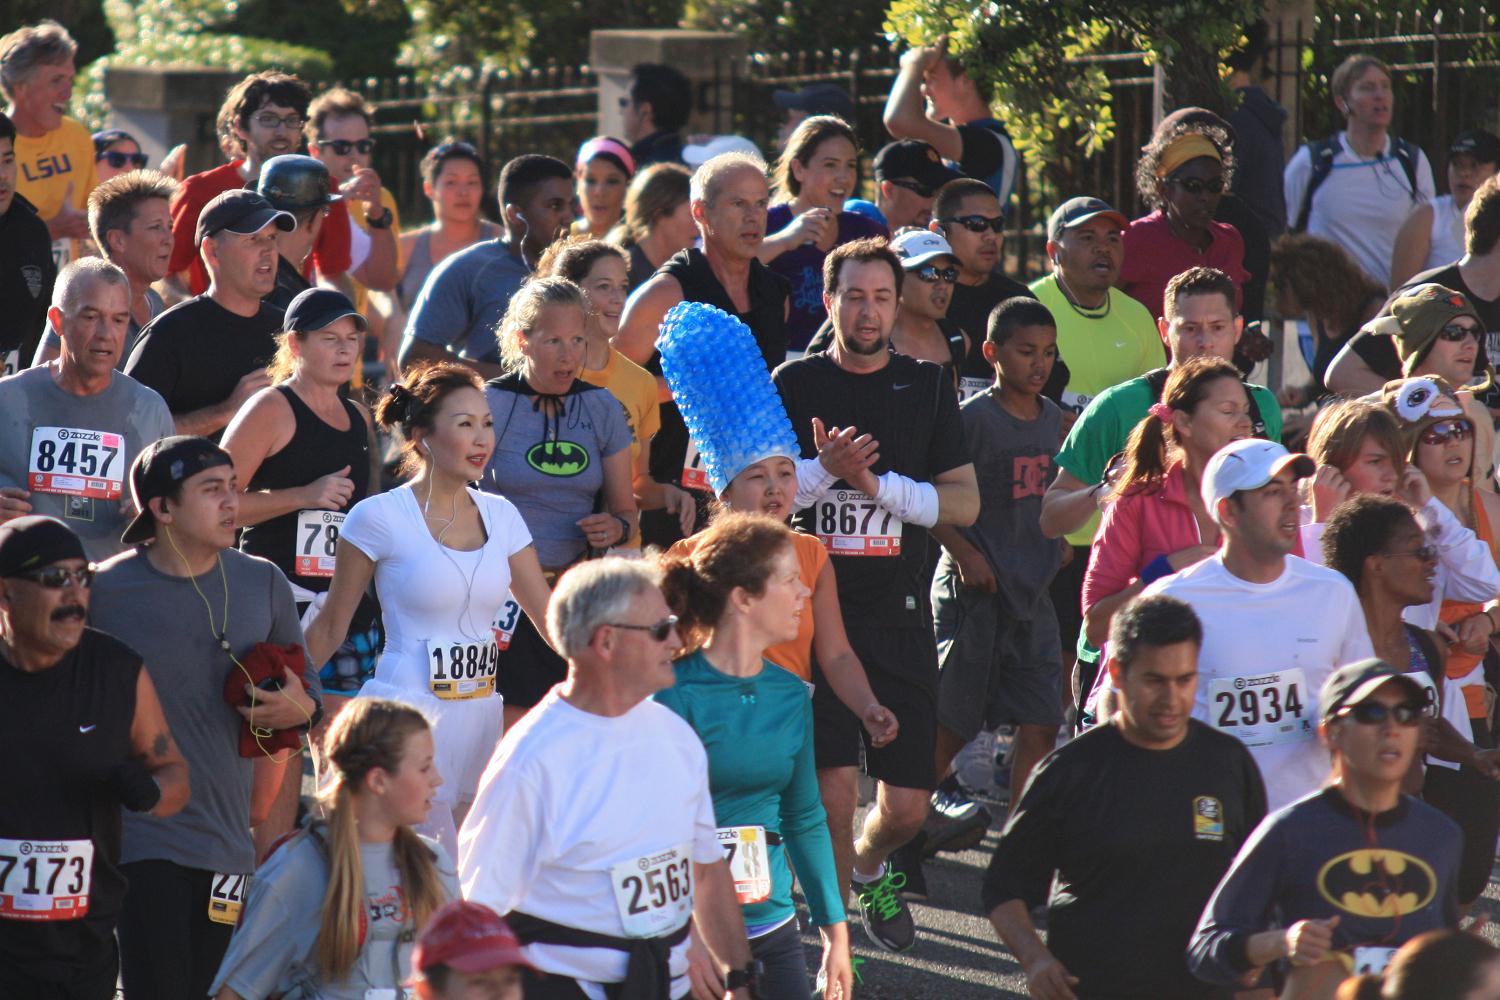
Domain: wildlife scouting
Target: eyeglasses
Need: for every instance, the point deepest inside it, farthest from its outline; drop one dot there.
(1193, 186)
(117, 159)
(1426, 553)
(920, 190)
(58, 577)
(343, 147)
(657, 632)
(1456, 333)
(1457, 429)
(292, 123)
(929, 273)
(978, 223)
(1373, 713)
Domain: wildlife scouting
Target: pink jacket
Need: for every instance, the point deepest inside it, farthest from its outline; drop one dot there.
(1134, 530)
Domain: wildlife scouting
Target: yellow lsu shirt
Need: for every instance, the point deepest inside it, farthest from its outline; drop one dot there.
(47, 165)
(361, 293)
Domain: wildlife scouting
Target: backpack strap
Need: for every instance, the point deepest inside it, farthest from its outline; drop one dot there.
(1322, 152)
(1406, 154)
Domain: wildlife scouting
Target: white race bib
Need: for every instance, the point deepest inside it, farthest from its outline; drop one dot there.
(80, 463)
(459, 669)
(1425, 682)
(693, 475)
(1372, 960)
(850, 523)
(968, 386)
(654, 893)
(226, 896)
(317, 541)
(10, 362)
(62, 251)
(749, 862)
(505, 623)
(1265, 709)
(1075, 401)
(45, 879)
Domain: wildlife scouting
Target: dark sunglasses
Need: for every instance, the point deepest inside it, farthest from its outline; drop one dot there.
(1373, 713)
(1193, 186)
(930, 273)
(58, 577)
(343, 147)
(1426, 553)
(658, 632)
(1453, 333)
(920, 190)
(117, 159)
(978, 223)
(1457, 429)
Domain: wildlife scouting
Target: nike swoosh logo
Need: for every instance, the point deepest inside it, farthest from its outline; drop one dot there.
(88, 729)
(899, 387)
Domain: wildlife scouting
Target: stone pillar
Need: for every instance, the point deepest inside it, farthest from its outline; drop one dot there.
(1289, 21)
(709, 59)
(163, 106)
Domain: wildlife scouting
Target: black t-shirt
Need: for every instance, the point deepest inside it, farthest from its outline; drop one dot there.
(1138, 840)
(27, 273)
(989, 155)
(195, 353)
(970, 309)
(910, 407)
(62, 731)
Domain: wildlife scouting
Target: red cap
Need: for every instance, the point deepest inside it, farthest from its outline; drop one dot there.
(467, 937)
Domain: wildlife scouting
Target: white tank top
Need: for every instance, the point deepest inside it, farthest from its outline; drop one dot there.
(1447, 233)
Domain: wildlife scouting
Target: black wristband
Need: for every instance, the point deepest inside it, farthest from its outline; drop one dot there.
(133, 785)
(381, 221)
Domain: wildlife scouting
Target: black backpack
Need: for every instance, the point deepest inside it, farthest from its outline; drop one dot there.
(1323, 153)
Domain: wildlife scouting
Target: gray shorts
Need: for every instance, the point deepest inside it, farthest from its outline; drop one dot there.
(994, 670)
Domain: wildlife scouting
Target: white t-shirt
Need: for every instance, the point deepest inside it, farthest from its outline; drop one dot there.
(1361, 204)
(1267, 649)
(1447, 234)
(567, 798)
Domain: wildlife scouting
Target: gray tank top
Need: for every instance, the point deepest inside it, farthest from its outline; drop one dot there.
(420, 263)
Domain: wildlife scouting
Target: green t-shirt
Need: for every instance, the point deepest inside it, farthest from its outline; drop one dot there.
(1103, 347)
(1100, 434)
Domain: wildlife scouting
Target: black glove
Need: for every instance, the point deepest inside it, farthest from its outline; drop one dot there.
(133, 785)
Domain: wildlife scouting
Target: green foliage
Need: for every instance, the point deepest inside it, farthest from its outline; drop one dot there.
(84, 20)
(795, 25)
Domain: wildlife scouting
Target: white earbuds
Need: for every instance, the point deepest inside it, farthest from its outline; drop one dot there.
(425, 447)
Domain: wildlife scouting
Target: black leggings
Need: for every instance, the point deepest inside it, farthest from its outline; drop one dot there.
(169, 949)
(785, 963)
(97, 983)
(1473, 802)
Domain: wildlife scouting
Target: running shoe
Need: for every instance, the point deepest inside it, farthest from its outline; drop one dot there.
(884, 913)
(955, 822)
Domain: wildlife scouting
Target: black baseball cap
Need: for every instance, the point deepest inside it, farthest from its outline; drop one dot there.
(1482, 144)
(293, 182)
(1077, 211)
(316, 308)
(31, 542)
(911, 159)
(818, 99)
(159, 469)
(241, 211)
(1354, 682)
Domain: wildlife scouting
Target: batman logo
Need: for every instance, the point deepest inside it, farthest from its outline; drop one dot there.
(1377, 882)
(558, 458)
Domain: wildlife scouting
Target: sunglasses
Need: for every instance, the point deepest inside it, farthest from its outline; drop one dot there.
(1455, 333)
(658, 632)
(57, 577)
(118, 160)
(1193, 186)
(920, 190)
(1457, 429)
(1373, 713)
(978, 223)
(292, 123)
(343, 147)
(1427, 553)
(930, 273)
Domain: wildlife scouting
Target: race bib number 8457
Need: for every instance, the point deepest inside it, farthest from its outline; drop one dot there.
(77, 462)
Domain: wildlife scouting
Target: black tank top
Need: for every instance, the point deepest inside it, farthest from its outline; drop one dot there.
(62, 731)
(315, 450)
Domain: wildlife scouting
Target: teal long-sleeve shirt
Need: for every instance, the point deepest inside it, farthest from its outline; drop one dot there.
(758, 734)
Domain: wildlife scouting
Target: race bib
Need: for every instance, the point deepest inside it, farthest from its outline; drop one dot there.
(968, 386)
(1265, 709)
(749, 862)
(1368, 959)
(77, 462)
(1427, 684)
(505, 623)
(62, 252)
(654, 893)
(317, 541)
(693, 475)
(226, 895)
(849, 523)
(45, 879)
(460, 669)
(1075, 401)
(10, 362)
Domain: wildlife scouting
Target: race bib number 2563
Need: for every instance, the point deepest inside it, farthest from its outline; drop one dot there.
(654, 893)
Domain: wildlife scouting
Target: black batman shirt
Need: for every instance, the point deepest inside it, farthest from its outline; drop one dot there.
(1137, 840)
(1387, 878)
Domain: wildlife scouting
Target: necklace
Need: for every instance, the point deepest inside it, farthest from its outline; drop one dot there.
(1098, 312)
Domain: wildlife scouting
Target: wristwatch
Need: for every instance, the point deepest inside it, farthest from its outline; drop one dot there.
(746, 978)
(383, 220)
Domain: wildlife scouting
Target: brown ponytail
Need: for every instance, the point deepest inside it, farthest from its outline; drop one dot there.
(412, 404)
(736, 550)
(1149, 450)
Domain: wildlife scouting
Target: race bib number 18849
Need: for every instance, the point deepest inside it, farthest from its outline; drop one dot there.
(461, 669)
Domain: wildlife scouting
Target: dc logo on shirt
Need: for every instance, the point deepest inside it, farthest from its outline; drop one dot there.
(1208, 818)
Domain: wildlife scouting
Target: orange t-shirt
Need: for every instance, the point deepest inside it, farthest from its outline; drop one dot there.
(795, 656)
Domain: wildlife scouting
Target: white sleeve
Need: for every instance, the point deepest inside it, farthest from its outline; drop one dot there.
(1468, 563)
(359, 244)
(1294, 181)
(813, 483)
(706, 849)
(500, 842)
(1357, 645)
(1312, 542)
(365, 527)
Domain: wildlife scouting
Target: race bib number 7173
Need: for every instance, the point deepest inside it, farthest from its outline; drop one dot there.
(45, 879)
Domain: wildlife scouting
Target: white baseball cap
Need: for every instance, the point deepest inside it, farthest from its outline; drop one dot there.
(695, 154)
(1249, 465)
(919, 246)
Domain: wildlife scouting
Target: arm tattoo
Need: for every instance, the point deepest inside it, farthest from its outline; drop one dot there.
(161, 745)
